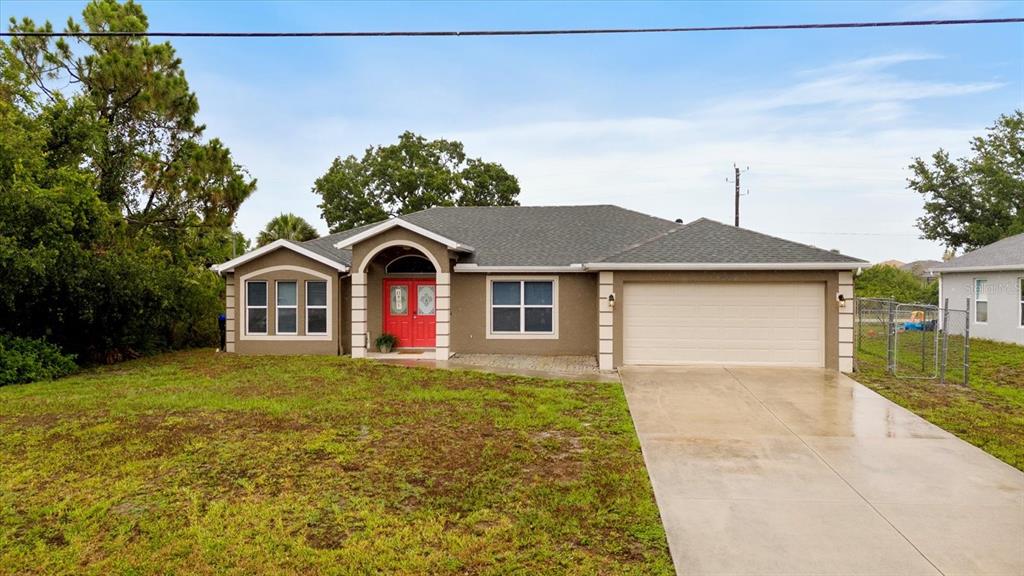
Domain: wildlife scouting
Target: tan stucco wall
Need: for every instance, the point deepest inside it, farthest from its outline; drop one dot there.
(577, 318)
(284, 345)
(829, 280)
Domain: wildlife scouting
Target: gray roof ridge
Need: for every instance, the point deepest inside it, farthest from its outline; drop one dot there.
(636, 245)
(779, 238)
(702, 219)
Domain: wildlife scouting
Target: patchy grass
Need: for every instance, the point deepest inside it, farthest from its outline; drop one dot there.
(196, 463)
(988, 413)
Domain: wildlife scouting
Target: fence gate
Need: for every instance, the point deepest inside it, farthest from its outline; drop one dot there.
(915, 342)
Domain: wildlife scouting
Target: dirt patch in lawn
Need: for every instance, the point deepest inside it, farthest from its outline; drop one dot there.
(208, 463)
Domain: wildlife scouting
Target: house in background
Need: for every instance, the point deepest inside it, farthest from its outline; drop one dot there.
(992, 277)
(601, 281)
(922, 269)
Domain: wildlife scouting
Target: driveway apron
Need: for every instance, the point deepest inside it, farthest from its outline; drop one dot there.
(787, 471)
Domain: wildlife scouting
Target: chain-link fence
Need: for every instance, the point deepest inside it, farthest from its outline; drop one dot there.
(912, 340)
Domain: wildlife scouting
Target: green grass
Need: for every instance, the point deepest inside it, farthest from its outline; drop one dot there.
(196, 463)
(988, 413)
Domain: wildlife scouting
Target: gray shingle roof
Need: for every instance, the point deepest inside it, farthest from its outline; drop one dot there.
(705, 241)
(1006, 252)
(540, 235)
(564, 235)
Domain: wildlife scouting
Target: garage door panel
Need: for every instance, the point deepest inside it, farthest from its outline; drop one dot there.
(758, 323)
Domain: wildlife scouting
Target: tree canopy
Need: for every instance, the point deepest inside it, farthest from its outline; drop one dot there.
(977, 200)
(410, 175)
(123, 105)
(288, 227)
(885, 281)
(112, 205)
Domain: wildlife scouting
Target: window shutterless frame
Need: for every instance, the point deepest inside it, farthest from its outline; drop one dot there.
(980, 300)
(311, 307)
(252, 308)
(521, 308)
(284, 308)
(1020, 305)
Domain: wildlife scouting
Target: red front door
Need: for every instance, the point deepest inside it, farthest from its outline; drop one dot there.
(409, 311)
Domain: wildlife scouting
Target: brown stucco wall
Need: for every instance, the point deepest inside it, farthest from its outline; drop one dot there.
(829, 280)
(577, 318)
(284, 345)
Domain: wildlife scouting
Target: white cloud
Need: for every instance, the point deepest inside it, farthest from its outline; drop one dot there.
(827, 155)
(828, 158)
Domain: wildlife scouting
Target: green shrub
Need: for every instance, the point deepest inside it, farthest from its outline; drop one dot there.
(884, 281)
(28, 360)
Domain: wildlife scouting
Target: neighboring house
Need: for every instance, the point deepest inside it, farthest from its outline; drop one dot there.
(557, 280)
(992, 278)
(922, 269)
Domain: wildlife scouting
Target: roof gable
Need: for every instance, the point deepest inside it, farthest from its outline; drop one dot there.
(381, 227)
(230, 265)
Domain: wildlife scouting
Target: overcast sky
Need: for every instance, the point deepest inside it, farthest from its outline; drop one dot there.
(827, 121)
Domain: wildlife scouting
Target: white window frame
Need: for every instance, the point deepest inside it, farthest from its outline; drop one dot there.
(978, 298)
(309, 307)
(278, 307)
(522, 334)
(265, 307)
(1020, 303)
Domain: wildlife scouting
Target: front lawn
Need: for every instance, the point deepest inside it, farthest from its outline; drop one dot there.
(988, 413)
(198, 463)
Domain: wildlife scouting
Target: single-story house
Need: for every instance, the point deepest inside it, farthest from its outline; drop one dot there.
(603, 281)
(992, 279)
(922, 269)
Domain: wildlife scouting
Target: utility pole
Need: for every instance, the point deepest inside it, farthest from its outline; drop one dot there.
(736, 180)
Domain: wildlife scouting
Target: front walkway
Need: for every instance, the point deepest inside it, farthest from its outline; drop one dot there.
(582, 368)
(802, 471)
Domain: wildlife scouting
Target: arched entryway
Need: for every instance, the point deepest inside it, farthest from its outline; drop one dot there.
(406, 294)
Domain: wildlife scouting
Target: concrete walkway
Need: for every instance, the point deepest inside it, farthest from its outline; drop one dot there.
(805, 472)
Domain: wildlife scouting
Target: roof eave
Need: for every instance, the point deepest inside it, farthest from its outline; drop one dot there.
(611, 266)
(470, 267)
(999, 268)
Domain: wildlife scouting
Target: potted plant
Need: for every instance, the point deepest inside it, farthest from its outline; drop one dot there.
(385, 342)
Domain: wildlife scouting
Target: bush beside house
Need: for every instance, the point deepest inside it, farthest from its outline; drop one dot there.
(885, 281)
(28, 360)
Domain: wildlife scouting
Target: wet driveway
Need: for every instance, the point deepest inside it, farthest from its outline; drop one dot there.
(785, 471)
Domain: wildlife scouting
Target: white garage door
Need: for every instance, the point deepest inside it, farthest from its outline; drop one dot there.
(740, 322)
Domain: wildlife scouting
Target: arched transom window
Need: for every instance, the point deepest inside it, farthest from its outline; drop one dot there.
(409, 264)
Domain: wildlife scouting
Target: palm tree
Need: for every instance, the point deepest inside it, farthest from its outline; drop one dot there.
(289, 227)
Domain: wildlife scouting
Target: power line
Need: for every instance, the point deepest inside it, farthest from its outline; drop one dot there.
(550, 32)
(854, 234)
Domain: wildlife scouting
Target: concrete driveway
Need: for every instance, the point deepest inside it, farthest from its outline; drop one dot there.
(773, 471)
